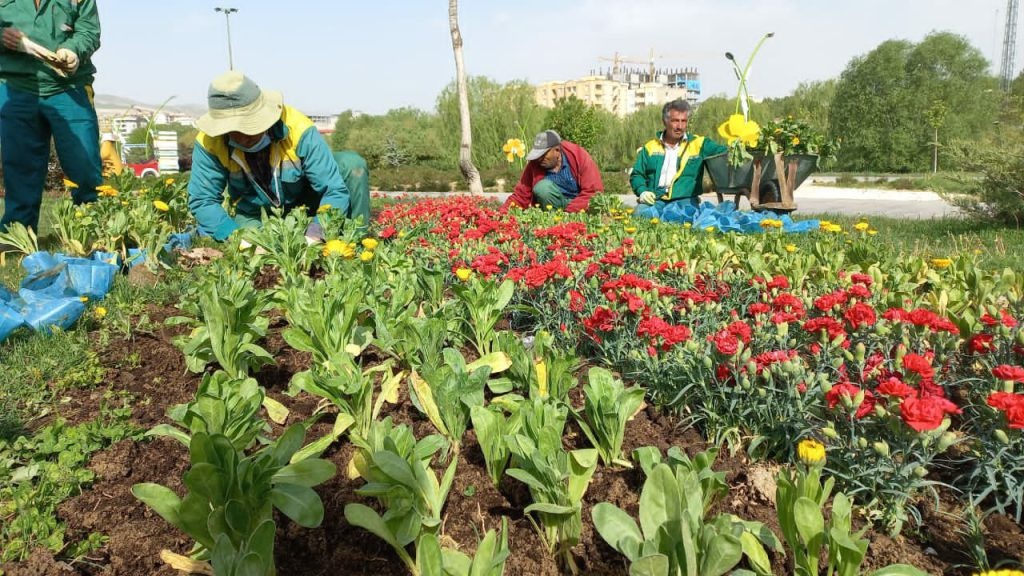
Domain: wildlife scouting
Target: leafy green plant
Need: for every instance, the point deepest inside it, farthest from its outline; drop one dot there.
(228, 508)
(283, 239)
(397, 470)
(20, 237)
(446, 394)
(489, 560)
(492, 427)
(483, 303)
(674, 537)
(800, 501)
(712, 484)
(557, 481)
(222, 405)
(608, 405)
(325, 320)
(351, 389)
(231, 323)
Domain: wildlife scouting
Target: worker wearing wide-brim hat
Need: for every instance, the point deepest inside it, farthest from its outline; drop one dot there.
(267, 155)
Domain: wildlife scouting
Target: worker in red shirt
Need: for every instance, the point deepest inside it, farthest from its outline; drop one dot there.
(558, 174)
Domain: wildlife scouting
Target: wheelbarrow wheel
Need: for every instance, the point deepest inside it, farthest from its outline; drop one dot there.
(770, 193)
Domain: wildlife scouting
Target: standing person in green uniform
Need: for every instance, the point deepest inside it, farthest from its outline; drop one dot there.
(47, 73)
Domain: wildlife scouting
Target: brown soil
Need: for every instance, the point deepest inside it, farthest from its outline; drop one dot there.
(152, 370)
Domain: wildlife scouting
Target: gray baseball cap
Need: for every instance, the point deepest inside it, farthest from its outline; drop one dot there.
(543, 142)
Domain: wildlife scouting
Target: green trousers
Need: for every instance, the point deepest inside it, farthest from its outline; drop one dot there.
(27, 122)
(547, 193)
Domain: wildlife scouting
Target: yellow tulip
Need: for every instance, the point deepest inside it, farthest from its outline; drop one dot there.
(513, 148)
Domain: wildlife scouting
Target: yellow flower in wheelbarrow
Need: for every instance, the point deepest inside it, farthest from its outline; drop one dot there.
(514, 148)
(739, 128)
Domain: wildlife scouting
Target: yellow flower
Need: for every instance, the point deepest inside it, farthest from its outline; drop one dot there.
(79, 214)
(107, 190)
(338, 248)
(629, 210)
(161, 205)
(548, 207)
(84, 299)
(941, 262)
(738, 128)
(463, 274)
(513, 148)
(811, 452)
(169, 181)
(795, 140)
(655, 221)
(99, 312)
(1003, 572)
(70, 184)
(323, 208)
(835, 228)
(687, 225)
(369, 243)
(366, 256)
(872, 232)
(791, 248)
(861, 226)
(630, 229)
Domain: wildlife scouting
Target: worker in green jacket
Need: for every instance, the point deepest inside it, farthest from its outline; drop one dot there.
(670, 167)
(267, 155)
(47, 74)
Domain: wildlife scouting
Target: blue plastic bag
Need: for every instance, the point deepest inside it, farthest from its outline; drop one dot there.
(10, 320)
(90, 277)
(43, 314)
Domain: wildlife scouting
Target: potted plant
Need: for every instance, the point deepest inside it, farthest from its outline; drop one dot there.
(766, 163)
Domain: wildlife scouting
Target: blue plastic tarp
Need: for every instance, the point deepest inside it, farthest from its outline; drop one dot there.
(722, 217)
(51, 293)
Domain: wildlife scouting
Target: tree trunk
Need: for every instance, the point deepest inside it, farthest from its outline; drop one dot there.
(466, 148)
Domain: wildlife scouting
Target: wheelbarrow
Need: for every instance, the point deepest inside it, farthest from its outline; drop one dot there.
(758, 179)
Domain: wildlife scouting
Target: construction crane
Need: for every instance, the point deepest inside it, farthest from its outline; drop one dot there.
(652, 58)
(1009, 45)
(617, 62)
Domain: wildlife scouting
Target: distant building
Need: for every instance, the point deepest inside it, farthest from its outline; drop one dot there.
(624, 92)
(122, 122)
(324, 122)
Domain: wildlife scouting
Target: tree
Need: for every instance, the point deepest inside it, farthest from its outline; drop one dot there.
(575, 121)
(879, 99)
(469, 171)
(499, 111)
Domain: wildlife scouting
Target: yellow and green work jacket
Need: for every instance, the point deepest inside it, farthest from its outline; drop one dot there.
(686, 183)
(302, 172)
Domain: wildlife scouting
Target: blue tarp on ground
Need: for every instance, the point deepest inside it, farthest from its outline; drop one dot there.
(722, 217)
(51, 293)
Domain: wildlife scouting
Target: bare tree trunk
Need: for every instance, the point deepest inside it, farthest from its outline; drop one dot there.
(466, 148)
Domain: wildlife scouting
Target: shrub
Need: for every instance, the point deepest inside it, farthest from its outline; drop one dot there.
(999, 195)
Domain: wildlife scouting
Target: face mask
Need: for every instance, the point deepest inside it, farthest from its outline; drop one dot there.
(263, 143)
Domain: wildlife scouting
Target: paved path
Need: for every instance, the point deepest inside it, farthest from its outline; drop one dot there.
(812, 199)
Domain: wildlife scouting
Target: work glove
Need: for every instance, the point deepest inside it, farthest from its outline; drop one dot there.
(314, 234)
(68, 60)
(647, 197)
(37, 51)
(245, 245)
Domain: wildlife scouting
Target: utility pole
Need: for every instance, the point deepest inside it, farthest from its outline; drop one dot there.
(227, 19)
(1009, 45)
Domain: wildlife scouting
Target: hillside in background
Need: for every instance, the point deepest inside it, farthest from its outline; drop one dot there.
(112, 102)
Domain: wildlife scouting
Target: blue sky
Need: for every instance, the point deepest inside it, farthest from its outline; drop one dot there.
(328, 56)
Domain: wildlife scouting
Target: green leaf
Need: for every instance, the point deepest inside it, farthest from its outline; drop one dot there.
(365, 517)
(309, 472)
(315, 448)
(428, 556)
(300, 503)
(546, 508)
(496, 361)
(898, 570)
(289, 443)
(237, 517)
(755, 553)
(618, 529)
(654, 565)
(809, 522)
(161, 499)
(396, 468)
(721, 554)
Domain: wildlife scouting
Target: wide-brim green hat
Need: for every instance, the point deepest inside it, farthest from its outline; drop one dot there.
(238, 105)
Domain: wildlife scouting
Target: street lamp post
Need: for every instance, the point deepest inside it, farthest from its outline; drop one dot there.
(227, 19)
